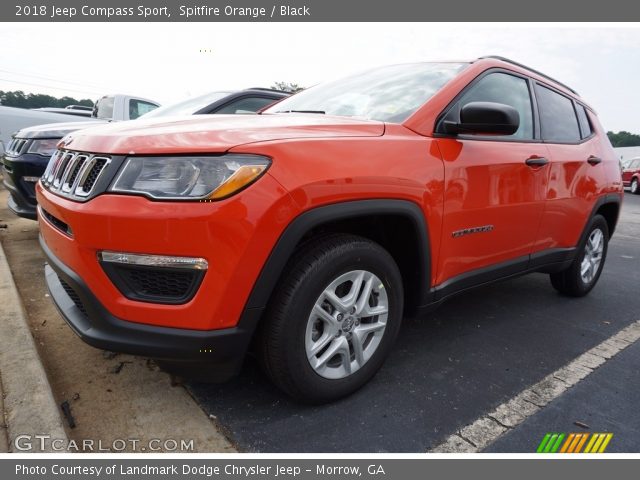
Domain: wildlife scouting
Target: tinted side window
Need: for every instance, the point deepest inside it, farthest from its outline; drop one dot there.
(500, 88)
(583, 120)
(246, 105)
(557, 117)
(139, 107)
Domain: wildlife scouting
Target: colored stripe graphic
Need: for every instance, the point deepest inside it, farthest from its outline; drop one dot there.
(568, 442)
(604, 445)
(556, 446)
(581, 443)
(543, 443)
(553, 443)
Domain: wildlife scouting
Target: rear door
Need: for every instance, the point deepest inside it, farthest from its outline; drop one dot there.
(577, 173)
(495, 187)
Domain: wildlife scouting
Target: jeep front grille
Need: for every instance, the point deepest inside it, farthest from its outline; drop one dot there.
(74, 174)
(16, 146)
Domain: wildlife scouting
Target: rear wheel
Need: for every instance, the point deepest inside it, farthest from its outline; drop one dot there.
(635, 187)
(333, 319)
(584, 272)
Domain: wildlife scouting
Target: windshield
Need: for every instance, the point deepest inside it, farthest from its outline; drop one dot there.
(187, 107)
(388, 94)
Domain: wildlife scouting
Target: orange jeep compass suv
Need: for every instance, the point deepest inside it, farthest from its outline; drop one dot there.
(308, 231)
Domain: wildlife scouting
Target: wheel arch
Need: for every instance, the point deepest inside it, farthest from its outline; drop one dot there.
(609, 207)
(404, 234)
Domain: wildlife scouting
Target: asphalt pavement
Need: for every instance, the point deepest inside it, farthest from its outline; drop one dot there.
(604, 402)
(474, 353)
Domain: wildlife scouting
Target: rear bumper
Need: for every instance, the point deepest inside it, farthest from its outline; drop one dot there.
(224, 349)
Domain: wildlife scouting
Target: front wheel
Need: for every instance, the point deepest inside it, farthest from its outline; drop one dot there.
(584, 272)
(635, 187)
(333, 319)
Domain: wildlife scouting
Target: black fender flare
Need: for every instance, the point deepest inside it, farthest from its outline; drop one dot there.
(609, 198)
(306, 221)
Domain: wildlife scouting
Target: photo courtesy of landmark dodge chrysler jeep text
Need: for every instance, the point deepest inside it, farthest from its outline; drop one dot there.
(305, 233)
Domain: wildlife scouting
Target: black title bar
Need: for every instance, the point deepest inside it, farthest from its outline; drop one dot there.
(318, 11)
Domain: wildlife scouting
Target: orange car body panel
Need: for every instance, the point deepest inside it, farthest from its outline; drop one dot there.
(456, 183)
(488, 184)
(235, 236)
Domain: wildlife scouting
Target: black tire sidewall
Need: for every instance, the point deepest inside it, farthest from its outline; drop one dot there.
(360, 256)
(637, 189)
(597, 221)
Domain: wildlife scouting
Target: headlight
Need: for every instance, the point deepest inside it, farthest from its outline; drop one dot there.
(189, 178)
(45, 146)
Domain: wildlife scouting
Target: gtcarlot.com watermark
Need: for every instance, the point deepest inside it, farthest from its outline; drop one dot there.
(44, 443)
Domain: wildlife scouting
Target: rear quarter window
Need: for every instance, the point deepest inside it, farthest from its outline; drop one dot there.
(583, 120)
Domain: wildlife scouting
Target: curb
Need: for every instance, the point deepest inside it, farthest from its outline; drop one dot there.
(29, 406)
(4, 445)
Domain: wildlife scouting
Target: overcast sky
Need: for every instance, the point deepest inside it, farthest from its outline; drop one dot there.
(164, 62)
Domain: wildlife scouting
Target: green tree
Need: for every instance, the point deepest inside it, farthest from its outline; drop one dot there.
(624, 139)
(290, 87)
(19, 99)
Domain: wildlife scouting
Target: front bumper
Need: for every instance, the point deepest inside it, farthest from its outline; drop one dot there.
(19, 207)
(88, 318)
(235, 236)
(22, 200)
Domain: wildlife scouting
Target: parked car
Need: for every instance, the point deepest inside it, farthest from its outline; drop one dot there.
(80, 112)
(32, 148)
(309, 231)
(222, 102)
(29, 150)
(13, 119)
(631, 176)
(118, 107)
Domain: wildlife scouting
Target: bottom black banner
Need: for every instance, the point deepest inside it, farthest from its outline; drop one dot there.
(321, 468)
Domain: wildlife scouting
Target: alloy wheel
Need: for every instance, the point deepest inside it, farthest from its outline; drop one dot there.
(346, 324)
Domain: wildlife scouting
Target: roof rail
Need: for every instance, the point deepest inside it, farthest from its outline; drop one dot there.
(267, 89)
(497, 57)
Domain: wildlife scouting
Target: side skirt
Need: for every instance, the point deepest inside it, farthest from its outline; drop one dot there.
(547, 261)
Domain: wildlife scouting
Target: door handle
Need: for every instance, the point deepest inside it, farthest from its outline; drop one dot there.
(535, 161)
(593, 160)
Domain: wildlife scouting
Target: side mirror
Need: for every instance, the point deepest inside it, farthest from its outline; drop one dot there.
(485, 118)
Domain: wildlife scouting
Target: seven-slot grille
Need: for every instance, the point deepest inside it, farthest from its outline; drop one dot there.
(74, 174)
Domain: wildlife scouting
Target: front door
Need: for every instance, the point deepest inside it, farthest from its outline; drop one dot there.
(495, 187)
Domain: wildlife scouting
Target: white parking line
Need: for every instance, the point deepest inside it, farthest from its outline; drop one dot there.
(488, 428)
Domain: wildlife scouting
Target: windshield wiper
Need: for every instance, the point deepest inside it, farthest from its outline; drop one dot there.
(302, 111)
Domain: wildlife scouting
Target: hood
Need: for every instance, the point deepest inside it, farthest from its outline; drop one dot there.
(56, 130)
(213, 133)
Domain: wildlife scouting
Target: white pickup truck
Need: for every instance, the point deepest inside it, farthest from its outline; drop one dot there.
(122, 107)
(108, 108)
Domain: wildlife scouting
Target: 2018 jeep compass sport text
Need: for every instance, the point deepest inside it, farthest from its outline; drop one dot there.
(305, 233)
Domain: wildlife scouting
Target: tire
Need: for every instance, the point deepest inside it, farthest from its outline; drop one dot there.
(635, 187)
(303, 326)
(591, 255)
